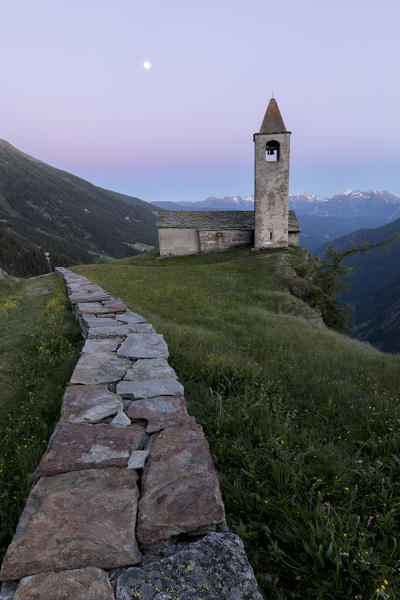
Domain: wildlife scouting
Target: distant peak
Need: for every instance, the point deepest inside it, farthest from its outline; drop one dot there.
(272, 122)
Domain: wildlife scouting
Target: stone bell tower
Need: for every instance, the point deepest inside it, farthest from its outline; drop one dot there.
(271, 181)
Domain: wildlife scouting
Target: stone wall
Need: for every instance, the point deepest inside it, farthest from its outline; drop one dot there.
(177, 242)
(211, 241)
(126, 503)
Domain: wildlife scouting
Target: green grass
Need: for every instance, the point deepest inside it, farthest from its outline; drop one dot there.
(303, 423)
(39, 346)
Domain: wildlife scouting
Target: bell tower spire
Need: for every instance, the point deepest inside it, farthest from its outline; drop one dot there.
(271, 180)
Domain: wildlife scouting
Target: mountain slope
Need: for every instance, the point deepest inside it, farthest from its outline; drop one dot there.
(317, 230)
(61, 213)
(375, 287)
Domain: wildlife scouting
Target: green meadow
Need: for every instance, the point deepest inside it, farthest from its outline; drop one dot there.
(39, 346)
(303, 423)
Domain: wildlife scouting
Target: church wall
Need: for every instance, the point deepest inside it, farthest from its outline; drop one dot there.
(211, 241)
(294, 239)
(177, 242)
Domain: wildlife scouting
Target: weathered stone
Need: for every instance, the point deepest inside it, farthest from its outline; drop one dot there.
(150, 368)
(75, 447)
(89, 403)
(137, 459)
(131, 317)
(120, 420)
(146, 345)
(99, 368)
(114, 305)
(80, 297)
(149, 388)
(213, 568)
(89, 321)
(119, 330)
(101, 345)
(75, 520)
(180, 489)
(161, 412)
(92, 308)
(8, 590)
(78, 584)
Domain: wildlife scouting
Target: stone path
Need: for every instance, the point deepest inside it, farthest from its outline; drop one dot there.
(126, 504)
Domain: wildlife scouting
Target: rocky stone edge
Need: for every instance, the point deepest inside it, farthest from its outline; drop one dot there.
(126, 503)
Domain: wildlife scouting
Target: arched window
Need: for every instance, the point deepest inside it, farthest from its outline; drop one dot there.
(272, 151)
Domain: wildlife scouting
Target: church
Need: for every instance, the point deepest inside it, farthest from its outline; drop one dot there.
(270, 225)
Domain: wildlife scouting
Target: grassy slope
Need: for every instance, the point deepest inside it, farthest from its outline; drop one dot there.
(39, 346)
(303, 423)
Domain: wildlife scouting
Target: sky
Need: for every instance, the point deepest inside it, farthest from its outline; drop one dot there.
(75, 93)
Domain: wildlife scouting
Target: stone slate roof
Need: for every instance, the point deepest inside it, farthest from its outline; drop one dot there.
(214, 220)
(273, 122)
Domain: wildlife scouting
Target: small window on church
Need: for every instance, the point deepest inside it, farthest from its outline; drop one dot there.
(272, 151)
(270, 235)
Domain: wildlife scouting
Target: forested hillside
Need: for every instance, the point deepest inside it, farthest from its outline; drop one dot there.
(375, 286)
(45, 209)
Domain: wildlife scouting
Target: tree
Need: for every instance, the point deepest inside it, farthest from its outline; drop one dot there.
(326, 278)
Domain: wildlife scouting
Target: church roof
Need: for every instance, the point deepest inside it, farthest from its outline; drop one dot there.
(213, 220)
(273, 122)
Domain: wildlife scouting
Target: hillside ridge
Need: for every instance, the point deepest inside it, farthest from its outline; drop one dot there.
(47, 209)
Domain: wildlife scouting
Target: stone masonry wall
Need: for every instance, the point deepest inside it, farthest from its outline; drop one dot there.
(126, 504)
(210, 241)
(271, 192)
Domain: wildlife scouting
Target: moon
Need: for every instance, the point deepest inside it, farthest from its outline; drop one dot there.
(147, 65)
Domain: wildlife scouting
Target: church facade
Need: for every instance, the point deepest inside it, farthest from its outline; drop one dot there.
(270, 225)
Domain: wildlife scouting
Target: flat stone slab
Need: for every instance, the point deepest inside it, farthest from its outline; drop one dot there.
(78, 584)
(131, 317)
(161, 412)
(119, 329)
(146, 345)
(120, 420)
(102, 345)
(149, 388)
(180, 489)
(89, 321)
(99, 368)
(78, 446)
(80, 297)
(75, 520)
(89, 404)
(213, 568)
(92, 308)
(114, 305)
(150, 368)
(138, 458)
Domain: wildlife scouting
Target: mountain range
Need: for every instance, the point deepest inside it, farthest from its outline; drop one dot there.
(45, 209)
(321, 219)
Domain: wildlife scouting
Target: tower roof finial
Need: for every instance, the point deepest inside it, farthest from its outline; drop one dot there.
(273, 122)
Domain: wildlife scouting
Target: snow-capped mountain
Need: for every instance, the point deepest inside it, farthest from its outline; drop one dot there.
(211, 203)
(350, 203)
